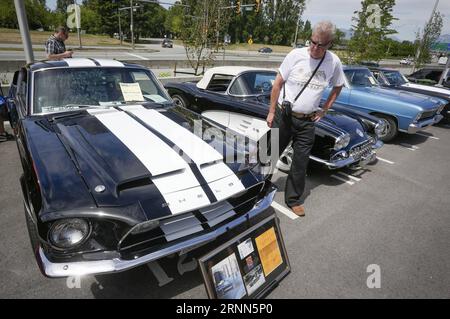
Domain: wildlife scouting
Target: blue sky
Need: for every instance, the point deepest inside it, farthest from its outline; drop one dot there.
(412, 14)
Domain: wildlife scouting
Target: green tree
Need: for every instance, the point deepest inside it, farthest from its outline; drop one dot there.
(174, 20)
(431, 33)
(61, 5)
(370, 31)
(200, 26)
(38, 15)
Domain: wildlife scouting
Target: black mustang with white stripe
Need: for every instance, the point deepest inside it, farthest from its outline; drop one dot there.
(115, 176)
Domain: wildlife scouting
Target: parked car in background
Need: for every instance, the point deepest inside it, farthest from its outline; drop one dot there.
(407, 113)
(393, 79)
(430, 76)
(238, 98)
(443, 60)
(265, 50)
(167, 43)
(104, 184)
(406, 61)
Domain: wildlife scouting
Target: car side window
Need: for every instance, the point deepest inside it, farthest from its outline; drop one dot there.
(219, 83)
(22, 88)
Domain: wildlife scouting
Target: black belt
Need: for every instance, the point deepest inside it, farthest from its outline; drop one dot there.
(301, 115)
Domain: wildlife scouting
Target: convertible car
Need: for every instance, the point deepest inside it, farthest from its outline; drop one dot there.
(238, 98)
(114, 176)
(401, 111)
(393, 79)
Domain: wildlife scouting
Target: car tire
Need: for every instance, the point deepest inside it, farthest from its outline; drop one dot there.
(180, 100)
(391, 127)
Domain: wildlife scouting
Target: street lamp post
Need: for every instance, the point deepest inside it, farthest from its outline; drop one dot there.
(120, 28)
(131, 24)
(24, 31)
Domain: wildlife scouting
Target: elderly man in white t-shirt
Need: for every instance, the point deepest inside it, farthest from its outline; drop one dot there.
(297, 124)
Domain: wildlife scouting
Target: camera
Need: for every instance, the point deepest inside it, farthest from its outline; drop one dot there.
(287, 108)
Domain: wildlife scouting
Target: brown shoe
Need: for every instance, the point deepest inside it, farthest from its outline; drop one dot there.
(298, 210)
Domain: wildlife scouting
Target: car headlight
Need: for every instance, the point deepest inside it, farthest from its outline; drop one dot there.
(69, 233)
(441, 108)
(380, 128)
(418, 117)
(341, 142)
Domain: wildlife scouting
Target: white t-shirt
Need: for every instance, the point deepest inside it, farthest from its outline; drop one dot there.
(297, 68)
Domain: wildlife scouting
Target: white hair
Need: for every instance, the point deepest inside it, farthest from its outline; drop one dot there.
(325, 28)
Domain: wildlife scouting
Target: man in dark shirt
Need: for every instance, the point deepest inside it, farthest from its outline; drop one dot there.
(55, 47)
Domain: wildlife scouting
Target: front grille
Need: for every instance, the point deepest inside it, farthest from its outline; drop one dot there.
(361, 150)
(184, 226)
(427, 115)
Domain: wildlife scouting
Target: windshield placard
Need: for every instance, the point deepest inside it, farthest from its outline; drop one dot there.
(131, 92)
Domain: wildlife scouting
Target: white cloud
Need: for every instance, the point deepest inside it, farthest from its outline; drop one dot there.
(412, 14)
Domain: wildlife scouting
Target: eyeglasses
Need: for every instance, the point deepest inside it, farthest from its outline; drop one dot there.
(320, 45)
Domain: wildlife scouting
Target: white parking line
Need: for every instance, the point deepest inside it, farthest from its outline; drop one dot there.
(284, 210)
(137, 56)
(409, 146)
(356, 179)
(385, 160)
(343, 180)
(429, 136)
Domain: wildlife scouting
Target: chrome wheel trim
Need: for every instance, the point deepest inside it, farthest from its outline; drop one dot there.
(285, 161)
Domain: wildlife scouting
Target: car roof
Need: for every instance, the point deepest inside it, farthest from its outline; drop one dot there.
(226, 70)
(78, 63)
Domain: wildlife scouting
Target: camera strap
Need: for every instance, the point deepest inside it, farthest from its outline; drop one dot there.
(307, 83)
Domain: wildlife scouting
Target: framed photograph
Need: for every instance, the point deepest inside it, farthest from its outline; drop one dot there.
(248, 266)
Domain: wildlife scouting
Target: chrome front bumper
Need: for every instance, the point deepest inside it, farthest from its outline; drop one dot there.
(350, 160)
(69, 269)
(415, 127)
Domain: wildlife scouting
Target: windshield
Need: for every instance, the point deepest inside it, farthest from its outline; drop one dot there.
(59, 90)
(395, 77)
(253, 83)
(361, 77)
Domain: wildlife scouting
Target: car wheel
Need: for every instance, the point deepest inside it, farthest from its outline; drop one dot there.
(391, 130)
(285, 161)
(179, 100)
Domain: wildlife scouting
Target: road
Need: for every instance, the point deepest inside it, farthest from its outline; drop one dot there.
(394, 214)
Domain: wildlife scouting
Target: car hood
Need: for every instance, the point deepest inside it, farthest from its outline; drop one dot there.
(345, 124)
(148, 160)
(415, 99)
(334, 122)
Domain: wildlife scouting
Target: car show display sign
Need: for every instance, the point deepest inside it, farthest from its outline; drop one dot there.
(247, 266)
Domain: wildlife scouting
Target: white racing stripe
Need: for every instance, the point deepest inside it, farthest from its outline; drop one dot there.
(79, 62)
(222, 180)
(179, 186)
(111, 63)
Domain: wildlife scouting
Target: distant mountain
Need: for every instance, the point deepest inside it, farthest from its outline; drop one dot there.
(445, 38)
(348, 33)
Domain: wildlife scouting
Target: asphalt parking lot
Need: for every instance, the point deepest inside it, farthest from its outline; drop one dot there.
(394, 214)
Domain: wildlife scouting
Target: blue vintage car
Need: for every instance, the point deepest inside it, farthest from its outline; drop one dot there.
(401, 111)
